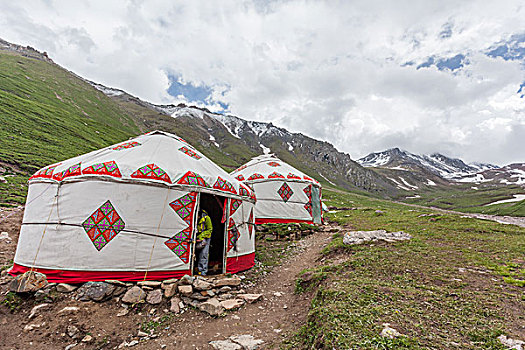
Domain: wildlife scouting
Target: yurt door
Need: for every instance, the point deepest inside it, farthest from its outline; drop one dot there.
(215, 207)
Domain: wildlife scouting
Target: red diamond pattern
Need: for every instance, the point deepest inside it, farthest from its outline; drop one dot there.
(256, 176)
(126, 145)
(73, 170)
(103, 225)
(233, 235)
(285, 192)
(189, 152)
(275, 175)
(224, 185)
(191, 178)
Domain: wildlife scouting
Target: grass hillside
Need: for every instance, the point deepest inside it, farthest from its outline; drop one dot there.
(458, 284)
(48, 114)
(462, 197)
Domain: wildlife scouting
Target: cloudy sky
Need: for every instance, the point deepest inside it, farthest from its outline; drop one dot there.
(426, 76)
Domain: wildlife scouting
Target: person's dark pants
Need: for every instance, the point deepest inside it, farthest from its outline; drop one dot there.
(202, 264)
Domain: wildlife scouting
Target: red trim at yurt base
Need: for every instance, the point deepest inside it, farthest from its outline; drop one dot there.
(67, 276)
(259, 221)
(240, 263)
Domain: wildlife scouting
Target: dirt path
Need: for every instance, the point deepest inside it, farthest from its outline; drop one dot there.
(279, 314)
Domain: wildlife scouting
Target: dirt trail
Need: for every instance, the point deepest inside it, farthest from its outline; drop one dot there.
(271, 320)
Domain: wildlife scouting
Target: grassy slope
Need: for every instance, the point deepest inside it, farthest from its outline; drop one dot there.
(47, 115)
(462, 197)
(453, 286)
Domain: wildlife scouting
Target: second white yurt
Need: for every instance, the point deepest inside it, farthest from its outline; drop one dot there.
(128, 212)
(284, 194)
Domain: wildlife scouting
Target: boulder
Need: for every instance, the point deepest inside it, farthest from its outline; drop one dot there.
(225, 345)
(134, 295)
(232, 304)
(200, 284)
(95, 291)
(165, 284)
(65, 288)
(29, 281)
(250, 298)
(212, 307)
(185, 290)
(175, 305)
(248, 342)
(231, 282)
(389, 332)
(154, 297)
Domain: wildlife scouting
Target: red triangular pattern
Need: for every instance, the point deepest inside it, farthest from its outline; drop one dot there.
(224, 185)
(234, 205)
(275, 175)
(194, 179)
(107, 168)
(151, 171)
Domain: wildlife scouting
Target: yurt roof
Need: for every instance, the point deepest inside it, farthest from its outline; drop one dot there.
(268, 167)
(157, 158)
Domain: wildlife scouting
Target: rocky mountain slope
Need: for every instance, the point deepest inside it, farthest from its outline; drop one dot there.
(231, 141)
(49, 114)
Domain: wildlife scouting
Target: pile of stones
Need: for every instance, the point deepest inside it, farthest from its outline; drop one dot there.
(213, 295)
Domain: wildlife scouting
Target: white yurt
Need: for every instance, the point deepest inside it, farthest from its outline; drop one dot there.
(128, 212)
(284, 194)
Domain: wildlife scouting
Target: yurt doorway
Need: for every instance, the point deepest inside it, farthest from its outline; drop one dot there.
(214, 206)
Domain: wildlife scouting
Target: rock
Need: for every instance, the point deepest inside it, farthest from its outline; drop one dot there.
(142, 334)
(132, 343)
(72, 331)
(87, 339)
(389, 332)
(116, 282)
(379, 212)
(208, 293)
(226, 296)
(224, 289)
(70, 346)
(30, 327)
(278, 294)
(225, 345)
(69, 309)
(4, 235)
(200, 284)
(169, 282)
(250, 298)
(29, 281)
(212, 307)
(36, 308)
(232, 304)
(154, 297)
(95, 291)
(65, 288)
(185, 290)
(232, 282)
(175, 305)
(248, 342)
(359, 237)
(123, 312)
(511, 343)
(191, 302)
(119, 290)
(198, 296)
(186, 280)
(152, 284)
(134, 295)
(169, 290)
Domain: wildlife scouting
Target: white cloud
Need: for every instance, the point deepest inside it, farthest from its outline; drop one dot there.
(332, 70)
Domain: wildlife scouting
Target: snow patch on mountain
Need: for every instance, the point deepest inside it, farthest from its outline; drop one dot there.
(443, 166)
(399, 185)
(265, 149)
(431, 183)
(212, 139)
(106, 90)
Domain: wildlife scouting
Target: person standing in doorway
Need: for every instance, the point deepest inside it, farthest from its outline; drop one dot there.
(204, 230)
